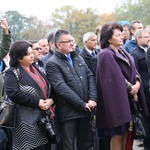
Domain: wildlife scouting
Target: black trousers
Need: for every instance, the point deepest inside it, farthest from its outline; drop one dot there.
(8, 132)
(147, 138)
(76, 134)
(104, 140)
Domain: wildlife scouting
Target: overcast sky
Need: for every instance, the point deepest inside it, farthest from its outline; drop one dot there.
(43, 8)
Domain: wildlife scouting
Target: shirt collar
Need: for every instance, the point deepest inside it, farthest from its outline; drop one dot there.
(144, 48)
(89, 51)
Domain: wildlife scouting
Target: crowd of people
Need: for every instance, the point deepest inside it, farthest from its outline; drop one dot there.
(87, 87)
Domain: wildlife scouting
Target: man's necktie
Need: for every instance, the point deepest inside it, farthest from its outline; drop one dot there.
(93, 54)
(69, 60)
(40, 63)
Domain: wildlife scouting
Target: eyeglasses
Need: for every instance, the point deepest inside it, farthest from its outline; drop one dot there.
(146, 37)
(69, 41)
(37, 48)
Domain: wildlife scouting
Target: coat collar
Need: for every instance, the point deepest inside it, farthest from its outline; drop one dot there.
(87, 54)
(62, 56)
(120, 57)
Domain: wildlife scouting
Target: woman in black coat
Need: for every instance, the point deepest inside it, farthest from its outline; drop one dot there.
(32, 95)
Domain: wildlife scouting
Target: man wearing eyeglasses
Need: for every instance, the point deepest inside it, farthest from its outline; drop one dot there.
(37, 53)
(75, 90)
(142, 39)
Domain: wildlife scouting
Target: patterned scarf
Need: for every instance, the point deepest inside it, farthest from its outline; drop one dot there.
(35, 75)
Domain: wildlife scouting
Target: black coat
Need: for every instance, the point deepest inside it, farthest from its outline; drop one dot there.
(73, 86)
(141, 65)
(87, 57)
(94, 64)
(18, 96)
(142, 61)
(27, 95)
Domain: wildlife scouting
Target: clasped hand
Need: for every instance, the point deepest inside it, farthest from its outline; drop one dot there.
(45, 104)
(134, 90)
(90, 105)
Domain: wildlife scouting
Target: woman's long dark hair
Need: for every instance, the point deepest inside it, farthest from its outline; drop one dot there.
(17, 51)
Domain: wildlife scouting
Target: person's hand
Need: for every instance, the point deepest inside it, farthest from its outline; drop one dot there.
(92, 104)
(49, 102)
(87, 107)
(134, 89)
(45, 104)
(42, 105)
(4, 26)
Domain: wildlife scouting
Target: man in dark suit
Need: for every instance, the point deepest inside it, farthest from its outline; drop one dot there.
(37, 53)
(89, 50)
(142, 39)
(88, 53)
(51, 48)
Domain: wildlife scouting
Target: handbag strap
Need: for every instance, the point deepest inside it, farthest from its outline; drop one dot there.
(136, 106)
(2, 90)
(17, 74)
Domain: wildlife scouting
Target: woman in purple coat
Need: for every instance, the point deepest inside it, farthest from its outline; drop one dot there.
(113, 67)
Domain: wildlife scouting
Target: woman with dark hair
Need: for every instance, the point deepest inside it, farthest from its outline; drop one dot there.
(114, 67)
(31, 92)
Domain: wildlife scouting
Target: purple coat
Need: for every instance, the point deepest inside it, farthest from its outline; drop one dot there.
(113, 108)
